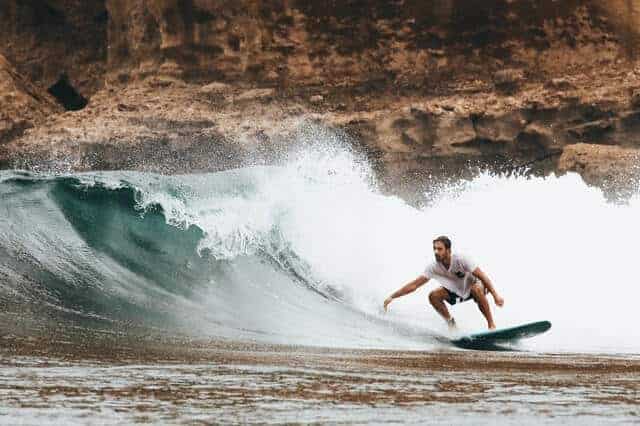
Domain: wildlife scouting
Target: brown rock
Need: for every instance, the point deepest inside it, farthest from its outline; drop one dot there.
(22, 104)
(256, 94)
(163, 81)
(316, 99)
(216, 91)
(272, 76)
(127, 108)
(537, 135)
(592, 131)
(499, 128)
(412, 136)
(10, 129)
(452, 130)
(154, 54)
(171, 69)
(635, 98)
(602, 165)
(508, 80)
(214, 88)
(247, 40)
(559, 84)
(44, 39)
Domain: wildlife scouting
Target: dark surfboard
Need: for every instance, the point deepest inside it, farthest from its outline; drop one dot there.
(491, 340)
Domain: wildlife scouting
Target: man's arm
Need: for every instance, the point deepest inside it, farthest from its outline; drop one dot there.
(408, 288)
(478, 273)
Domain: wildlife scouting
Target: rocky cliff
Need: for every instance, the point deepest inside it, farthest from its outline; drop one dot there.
(426, 89)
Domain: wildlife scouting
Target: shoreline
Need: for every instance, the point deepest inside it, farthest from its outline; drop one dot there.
(177, 349)
(244, 383)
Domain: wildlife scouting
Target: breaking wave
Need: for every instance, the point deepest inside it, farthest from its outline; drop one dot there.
(305, 253)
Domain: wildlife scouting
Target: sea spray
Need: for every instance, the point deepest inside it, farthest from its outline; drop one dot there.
(305, 253)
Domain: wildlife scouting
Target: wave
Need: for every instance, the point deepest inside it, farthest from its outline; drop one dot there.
(305, 253)
(203, 254)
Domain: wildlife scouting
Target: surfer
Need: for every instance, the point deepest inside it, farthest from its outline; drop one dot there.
(460, 280)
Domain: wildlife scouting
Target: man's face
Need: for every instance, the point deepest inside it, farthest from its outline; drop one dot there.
(440, 251)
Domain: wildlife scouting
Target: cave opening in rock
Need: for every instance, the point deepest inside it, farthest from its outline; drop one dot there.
(67, 95)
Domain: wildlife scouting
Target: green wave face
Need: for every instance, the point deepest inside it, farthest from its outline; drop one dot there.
(178, 254)
(142, 242)
(77, 248)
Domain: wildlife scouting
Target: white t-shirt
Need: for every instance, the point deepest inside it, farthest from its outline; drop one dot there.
(458, 278)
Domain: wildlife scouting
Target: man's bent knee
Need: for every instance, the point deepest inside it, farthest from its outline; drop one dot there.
(477, 291)
(435, 297)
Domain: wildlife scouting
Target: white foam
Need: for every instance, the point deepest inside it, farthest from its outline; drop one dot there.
(554, 247)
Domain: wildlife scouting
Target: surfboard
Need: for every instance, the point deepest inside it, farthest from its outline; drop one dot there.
(489, 340)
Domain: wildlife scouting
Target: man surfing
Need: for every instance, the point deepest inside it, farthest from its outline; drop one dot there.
(460, 280)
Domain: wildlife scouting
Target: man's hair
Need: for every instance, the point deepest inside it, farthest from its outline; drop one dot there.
(444, 240)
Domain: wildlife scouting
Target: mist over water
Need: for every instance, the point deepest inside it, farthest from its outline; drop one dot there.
(306, 253)
(554, 247)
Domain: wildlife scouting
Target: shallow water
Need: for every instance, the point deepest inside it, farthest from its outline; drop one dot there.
(101, 272)
(284, 384)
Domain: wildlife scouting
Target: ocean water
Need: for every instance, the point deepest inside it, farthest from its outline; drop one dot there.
(299, 257)
(305, 253)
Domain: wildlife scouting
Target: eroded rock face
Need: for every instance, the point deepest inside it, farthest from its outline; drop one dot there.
(614, 167)
(402, 44)
(22, 105)
(408, 43)
(44, 39)
(425, 88)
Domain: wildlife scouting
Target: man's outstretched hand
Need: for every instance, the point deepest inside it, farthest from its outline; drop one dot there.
(386, 303)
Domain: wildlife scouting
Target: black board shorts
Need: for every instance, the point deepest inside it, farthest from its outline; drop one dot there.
(453, 298)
